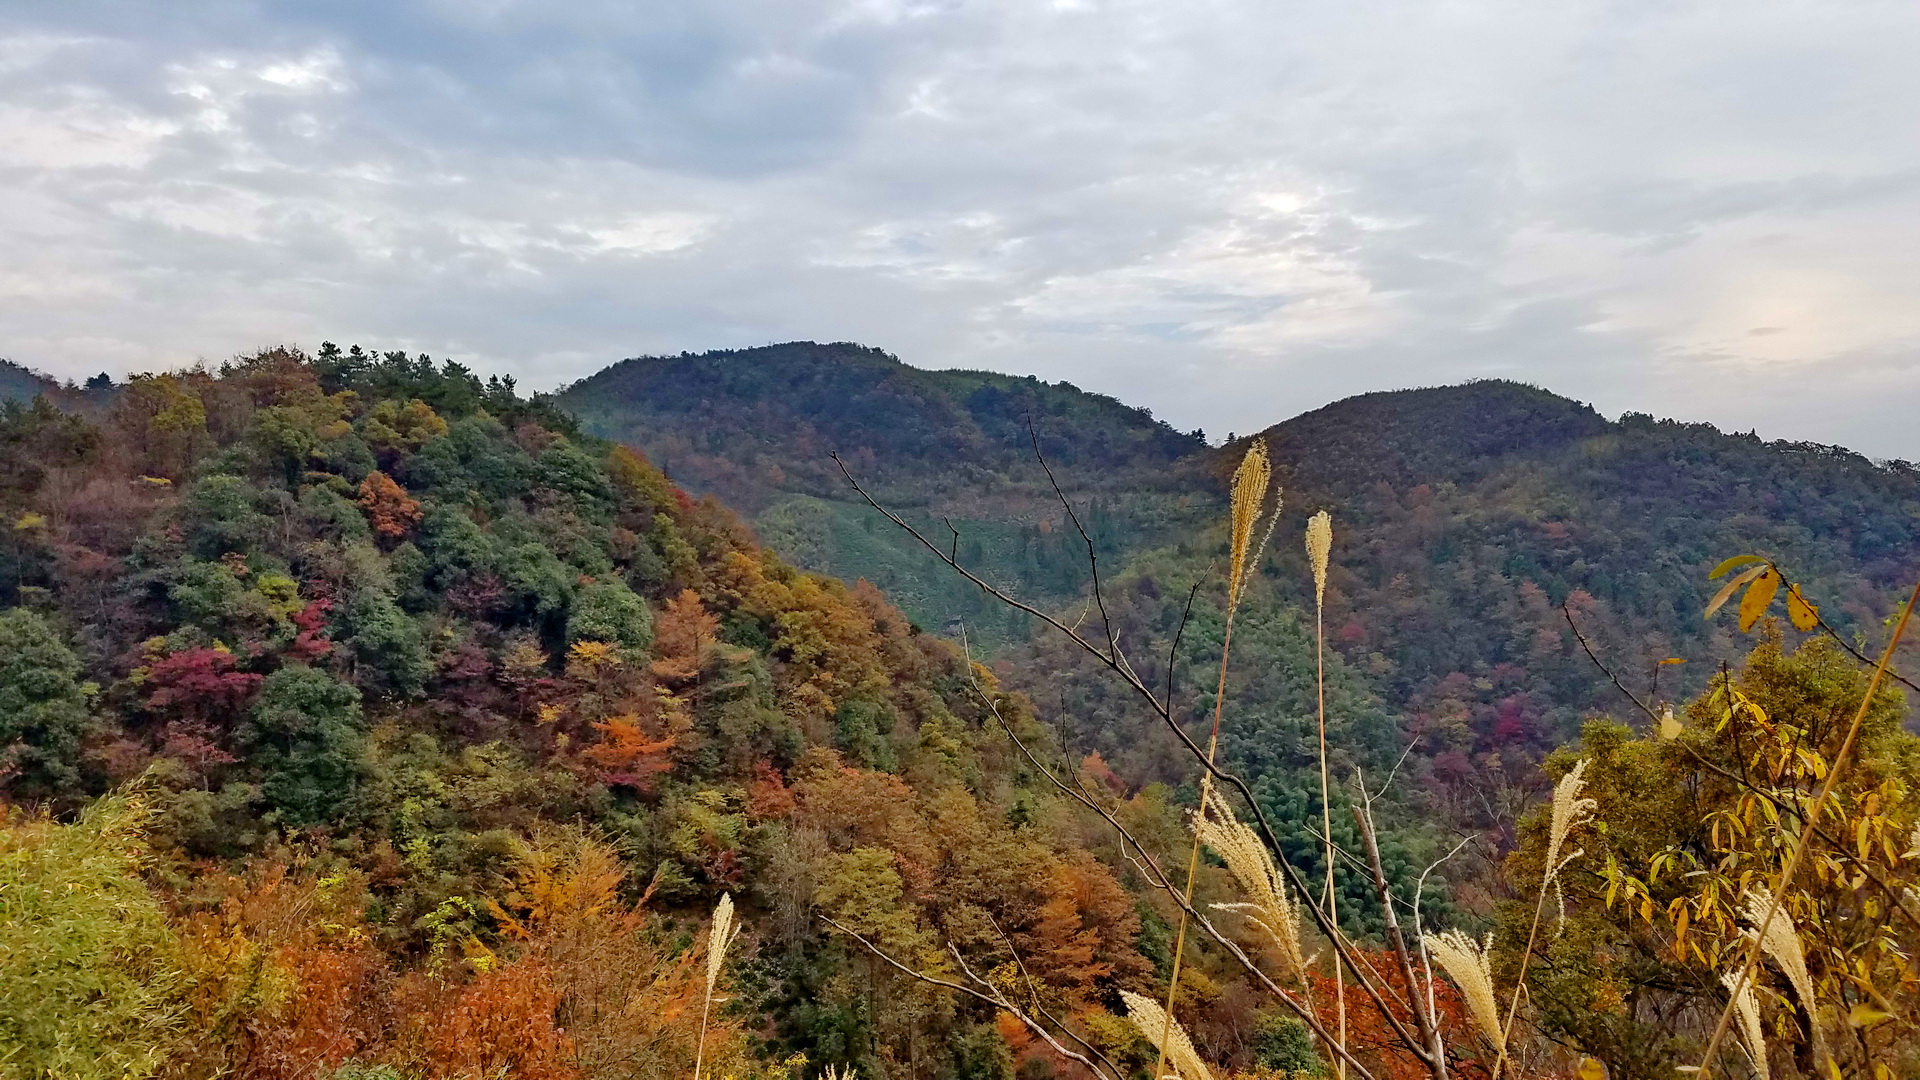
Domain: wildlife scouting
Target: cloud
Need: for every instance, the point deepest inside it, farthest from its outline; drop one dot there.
(1228, 210)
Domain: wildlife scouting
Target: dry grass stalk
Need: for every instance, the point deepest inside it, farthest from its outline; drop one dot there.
(1252, 866)
(1250, 483)
(1319, 548)
(719, 937)
(1165, 1033)
(1780, 942)
(1569, 812)
(1465, 962)
(1746, 1005)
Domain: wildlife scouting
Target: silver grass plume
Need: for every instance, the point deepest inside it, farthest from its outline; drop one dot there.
(719, 939)
(1319, 548)
(1250, 483)
(1747, 1005)
(1152, 1021)
(1569, 812)
(1252, 866)
(1465, 962)
(1780, 942)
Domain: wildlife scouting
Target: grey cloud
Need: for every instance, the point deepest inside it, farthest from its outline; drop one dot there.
(1228, 211)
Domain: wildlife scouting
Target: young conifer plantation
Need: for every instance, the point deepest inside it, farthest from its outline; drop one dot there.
(362, 719)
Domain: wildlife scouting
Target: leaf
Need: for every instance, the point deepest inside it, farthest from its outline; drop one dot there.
(1730, 587)
(1804, 615)
(1737, 560)
(1759, 597)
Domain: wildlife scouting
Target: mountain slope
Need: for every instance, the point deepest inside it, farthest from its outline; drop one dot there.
(1456, 500)
(758, 428)
(1465, 517)
(754, 424)
(444, 721)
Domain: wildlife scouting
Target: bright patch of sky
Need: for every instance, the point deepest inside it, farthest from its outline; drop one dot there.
(1229, 211)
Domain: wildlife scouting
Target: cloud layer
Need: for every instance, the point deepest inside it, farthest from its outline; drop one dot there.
(1228, 210)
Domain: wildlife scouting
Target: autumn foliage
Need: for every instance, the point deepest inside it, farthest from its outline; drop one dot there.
(389, 510)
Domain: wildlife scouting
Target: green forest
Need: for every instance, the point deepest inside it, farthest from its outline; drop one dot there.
(798, 713)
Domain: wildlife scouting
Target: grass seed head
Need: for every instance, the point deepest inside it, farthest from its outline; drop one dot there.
(719, 938)
(1569, 812)
(1152, 1021)
(1252, 867)
(1465, 962)
(1780, 942)
(1250, 483)
(1747, 1005)
(1319, 547)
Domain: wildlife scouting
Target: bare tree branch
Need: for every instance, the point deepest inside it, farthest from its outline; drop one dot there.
(1160, 707)
(1157, 878)
(996, 998)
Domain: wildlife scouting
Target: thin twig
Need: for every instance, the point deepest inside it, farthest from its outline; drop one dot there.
(1799, 843)
(1152, 873)
(1896, 898)
(997, 999)
(1140, 689)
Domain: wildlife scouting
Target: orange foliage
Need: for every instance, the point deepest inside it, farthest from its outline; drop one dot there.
(1374, 1041)
(332, 1015)
(830, 645)
(1086, 924)
(682, 631)
(389, 509)
(501, 1023)
(283, 963)
(629, 1001)
(627, 754)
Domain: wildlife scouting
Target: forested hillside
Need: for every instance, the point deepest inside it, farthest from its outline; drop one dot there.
(758, 428)
(436, 726)
(1465, 516)
(18, 383)
(363, 720)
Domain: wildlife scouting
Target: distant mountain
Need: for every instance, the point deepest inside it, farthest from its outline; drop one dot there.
(757, 428)
(1465, 516)
(755, 424)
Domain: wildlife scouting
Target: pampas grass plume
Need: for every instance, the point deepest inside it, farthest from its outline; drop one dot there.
(719, 938)
(1147, 1016)
(1465, 962)
(1569, 811)
(1251, 865)
(1250, 483)
(1780, 942)
(1319, 547)
(1747, 1005)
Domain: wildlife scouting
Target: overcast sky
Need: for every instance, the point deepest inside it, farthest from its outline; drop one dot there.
(1227, 211)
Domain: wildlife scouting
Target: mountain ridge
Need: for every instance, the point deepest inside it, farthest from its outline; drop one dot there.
(1465, 517)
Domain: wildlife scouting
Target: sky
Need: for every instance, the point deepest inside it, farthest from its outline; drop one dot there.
(1228, 211)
